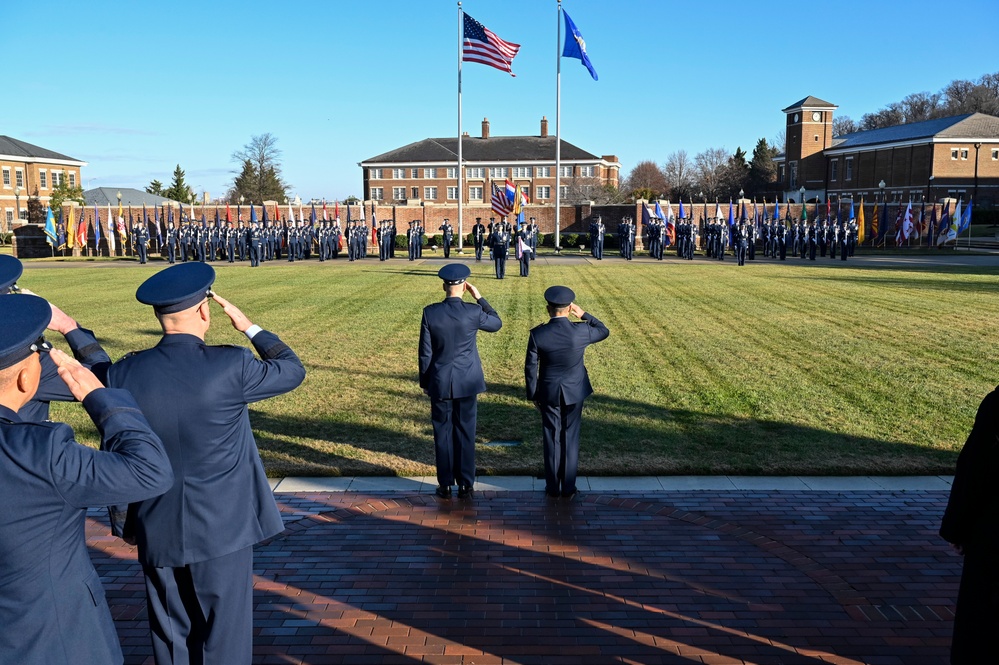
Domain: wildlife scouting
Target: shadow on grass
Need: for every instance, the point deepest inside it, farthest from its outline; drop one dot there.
(619, 437)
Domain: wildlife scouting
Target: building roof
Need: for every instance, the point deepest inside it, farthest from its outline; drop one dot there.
(476, 149)
(26, 151)
(102, 196)
(967, 126)
(810, 103)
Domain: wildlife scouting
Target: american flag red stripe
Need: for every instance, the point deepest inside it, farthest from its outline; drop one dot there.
(501, 206)
(483, 46)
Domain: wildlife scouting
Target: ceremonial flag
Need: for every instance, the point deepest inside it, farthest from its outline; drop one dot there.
(932, 226)
(228, 215)
(718, 214)
(483, 46)
(920, 221)
(97, 229)
(61, 232)
(731, 222)
(828, 208)
(111, 231)
(574, 46)
(253, 214)
(874, 225)
(348, 211)
(943, 227)
(804, 211)
(70, 229)
(325, 218)
(500, 204)
(312, 216)
(646, 220)
(50, 227)
(852, 215)
(668, 218)
(680, 215)
(965, 222)
(776, 210)
(156, 221)
(336, 211)
(898, 225)
(861, 231)
(291, 214)
(374, 231)
(81, 229)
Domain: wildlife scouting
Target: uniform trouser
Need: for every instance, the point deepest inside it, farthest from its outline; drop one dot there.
(254, 255)
(447, 249)
(500, 264)
(525, 265)
(478, 251)
(977, 614)
(842, 253)
(202, 613)
(560, 428)
(454, 439)
(171, 252)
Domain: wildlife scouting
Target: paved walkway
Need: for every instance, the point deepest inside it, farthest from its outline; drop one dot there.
(642, 570)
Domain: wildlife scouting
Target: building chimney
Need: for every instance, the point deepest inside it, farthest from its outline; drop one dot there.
(544, 127)
(485, 128)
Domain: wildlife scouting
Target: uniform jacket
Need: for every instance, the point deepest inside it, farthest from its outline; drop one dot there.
(449, 358)
(972, 515)
(196, 398)
(52, 605)
(51, 388)
(553, 369)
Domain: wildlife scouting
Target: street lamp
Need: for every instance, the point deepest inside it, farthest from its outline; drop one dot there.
(17, 196)
(802, 192)
(741, 194)
(881, 186)
(975, 195)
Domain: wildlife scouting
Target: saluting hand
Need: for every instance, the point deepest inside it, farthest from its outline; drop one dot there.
(61, 322)
(474, 291)
(80, 380)
(239, 320)
(576, 310)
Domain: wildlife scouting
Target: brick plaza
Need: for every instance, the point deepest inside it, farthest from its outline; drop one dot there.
(789, 575)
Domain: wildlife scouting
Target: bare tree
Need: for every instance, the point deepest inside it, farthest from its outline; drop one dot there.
(710, 166)
(780, 141)
(647, 176)
(844, 125)
(259, 175)
(679, 174)
(579, 189)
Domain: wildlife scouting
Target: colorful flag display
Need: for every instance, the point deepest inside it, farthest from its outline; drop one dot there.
(574, 46)
(483, 46)
(500, 204)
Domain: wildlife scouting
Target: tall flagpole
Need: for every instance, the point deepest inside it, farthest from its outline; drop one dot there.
(558, 126)
(461, 33)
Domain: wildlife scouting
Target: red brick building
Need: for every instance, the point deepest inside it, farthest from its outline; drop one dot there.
(427, 171)
(27, 170)
(955, 157)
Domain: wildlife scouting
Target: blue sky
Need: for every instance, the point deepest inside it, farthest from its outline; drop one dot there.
(136, 87)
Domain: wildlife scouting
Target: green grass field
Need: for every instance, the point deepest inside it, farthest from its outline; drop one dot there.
(769, 369)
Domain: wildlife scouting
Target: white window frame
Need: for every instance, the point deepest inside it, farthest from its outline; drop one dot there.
(834, 170)
(542, 172)
(452, 193)
(377, 193)
(542, 193)
(475, 172)
(499, 172)
(376, 174)
(416, 172)
(6, 177)
(56, 178)
(848, 169)
(398, 193)
(521, 171)
(586, 171)
(565, 172)
(429, 193)
(452, 173)
(430, 173)
(964, 154)
(19, 178)
(9, 216)
(72, 179)
(43, 179)
(475, 193)
(995, 154)
(793, 178)
(398, 174)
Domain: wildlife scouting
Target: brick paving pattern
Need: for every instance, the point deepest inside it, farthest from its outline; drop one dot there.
(513, 577)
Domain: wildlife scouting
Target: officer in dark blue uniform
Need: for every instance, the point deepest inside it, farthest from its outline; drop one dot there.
(479, 237)
(52, 605)
(451, 375)
(499, 242)
(81, 342)
(196, 541)
(557, 383)
(171, 243)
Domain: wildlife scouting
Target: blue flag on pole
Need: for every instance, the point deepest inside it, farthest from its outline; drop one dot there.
(574, 46)
(97, 228)
(50, 227)
(965, 222)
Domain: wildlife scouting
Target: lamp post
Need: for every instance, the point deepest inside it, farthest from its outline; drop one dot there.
(974, 196)
(17, 197)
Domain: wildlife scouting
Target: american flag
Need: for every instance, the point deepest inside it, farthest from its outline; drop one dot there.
(482, 45)
(501, 205)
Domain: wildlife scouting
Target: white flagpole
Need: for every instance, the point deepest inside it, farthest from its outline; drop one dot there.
(558, 126)
(461, 36)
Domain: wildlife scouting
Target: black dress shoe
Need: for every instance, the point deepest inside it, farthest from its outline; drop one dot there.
(464, 491)
(552, 494)
(569, 495)
(443, 492)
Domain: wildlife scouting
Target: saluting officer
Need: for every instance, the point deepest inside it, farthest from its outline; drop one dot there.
(447, 232)
(451, 375)
(52, 605)
(196, 541)
(478, 237)
(557, 383)
(499, 241)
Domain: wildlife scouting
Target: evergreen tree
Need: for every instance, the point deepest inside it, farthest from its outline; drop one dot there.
(179, 190)
(762, 170)
(259, 177)
(155, 187)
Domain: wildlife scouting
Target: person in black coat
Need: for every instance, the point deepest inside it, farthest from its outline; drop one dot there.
(52, 606)
(971, 524)
(196, 541)
(557, 383)
(451, 375)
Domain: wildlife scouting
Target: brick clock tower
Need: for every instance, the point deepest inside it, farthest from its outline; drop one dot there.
(808, 133)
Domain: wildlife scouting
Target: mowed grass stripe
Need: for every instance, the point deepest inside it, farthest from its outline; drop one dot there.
(710, 368)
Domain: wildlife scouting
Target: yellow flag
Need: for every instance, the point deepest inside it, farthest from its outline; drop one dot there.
(70, 229)
(861, 232)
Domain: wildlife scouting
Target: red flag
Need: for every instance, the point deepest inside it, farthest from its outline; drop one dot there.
(336, 212)
(228, 219)
(81, 231)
